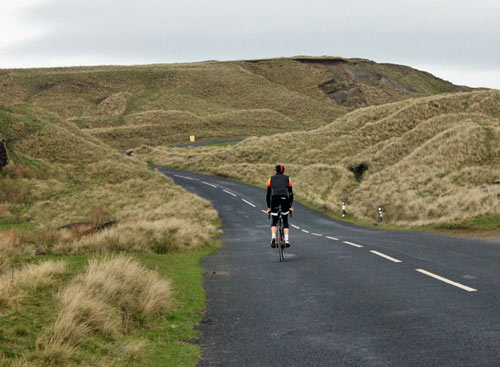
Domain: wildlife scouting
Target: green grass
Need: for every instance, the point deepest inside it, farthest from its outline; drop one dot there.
(479, 223)
(21, 326)
(169, 340)
(9, 223)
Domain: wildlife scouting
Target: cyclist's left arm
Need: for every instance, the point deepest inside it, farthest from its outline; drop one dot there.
(268, 195)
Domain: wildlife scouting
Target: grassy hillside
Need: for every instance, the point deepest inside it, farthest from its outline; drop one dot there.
(128, 294)
(165, 104)
(66, 296)
(427, 161)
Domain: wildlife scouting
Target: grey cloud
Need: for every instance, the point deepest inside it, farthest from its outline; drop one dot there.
(461, 32)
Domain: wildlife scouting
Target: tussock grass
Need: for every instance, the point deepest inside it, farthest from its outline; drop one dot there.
(15, 284)
(431, 160)
(123, 282)
(104, 301)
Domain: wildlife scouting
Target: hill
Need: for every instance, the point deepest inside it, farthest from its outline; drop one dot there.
(79, 280)
(395, 139)
(165, 104)
(428, 161)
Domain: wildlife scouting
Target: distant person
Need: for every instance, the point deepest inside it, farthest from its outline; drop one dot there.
(279, 194)
(343, 209)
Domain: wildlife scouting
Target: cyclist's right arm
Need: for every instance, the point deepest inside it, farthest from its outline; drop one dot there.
(268, 194)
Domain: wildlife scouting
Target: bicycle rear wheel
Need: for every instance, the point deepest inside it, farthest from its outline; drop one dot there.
(281, 244)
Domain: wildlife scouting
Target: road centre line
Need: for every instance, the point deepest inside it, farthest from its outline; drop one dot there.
(352, 244)
(263, 211)
(317, 234)
(249, 203)
(208, 184)
(296, 227)
(385, 256)
(332, 238)
(187, 178)
(305, 231)
(464, 287)
(229, 192)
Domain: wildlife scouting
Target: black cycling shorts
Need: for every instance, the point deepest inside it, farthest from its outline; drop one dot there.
(277, 202)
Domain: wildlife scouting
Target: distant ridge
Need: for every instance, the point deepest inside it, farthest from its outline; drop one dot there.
(213, 100)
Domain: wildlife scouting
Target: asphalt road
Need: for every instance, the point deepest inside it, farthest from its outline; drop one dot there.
(210, 142)
(345, 296)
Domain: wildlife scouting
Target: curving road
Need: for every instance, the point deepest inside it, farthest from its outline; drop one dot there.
(345, 296)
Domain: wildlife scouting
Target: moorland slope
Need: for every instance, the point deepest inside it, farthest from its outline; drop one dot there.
(66, 296)
(165, 104)
(427, 161)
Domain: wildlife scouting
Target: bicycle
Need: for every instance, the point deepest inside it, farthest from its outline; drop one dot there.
(281, 237)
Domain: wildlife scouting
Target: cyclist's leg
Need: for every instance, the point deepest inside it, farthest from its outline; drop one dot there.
(285, 207)
(274, 216)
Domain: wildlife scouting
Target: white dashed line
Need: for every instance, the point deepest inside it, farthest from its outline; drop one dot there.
(249, 203)
(187, 178)
(464, 287)
(385, 256)
(263, 211)
(352, 244)
(317, 234)
(332, 238)
(294, 226)
(229, 192)
(208, 184)
(305, 231)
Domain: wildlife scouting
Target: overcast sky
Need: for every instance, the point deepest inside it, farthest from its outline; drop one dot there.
(457, 40)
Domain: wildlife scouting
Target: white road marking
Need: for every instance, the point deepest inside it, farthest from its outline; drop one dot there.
(249, 203)
(209, 184)
(263, 211)
(294, 226)
(229, 192)
(305, 231)
(385, 256)
(332, 238)
(352, 244)
(187, 178)
(317, 234)
(464, 287)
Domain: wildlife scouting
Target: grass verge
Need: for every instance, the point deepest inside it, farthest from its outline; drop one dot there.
(28, 331)
(171, 339)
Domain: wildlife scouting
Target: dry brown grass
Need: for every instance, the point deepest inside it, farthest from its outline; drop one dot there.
(93, 185)
(153, 216)
(124, 283)
(107, 299)
(431, 160)
(13, 191)
(9, 251)
(15, 284)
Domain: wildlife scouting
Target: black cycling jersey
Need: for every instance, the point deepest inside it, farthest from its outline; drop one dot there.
(279, 185)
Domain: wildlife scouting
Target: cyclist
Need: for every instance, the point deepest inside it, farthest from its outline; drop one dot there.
(279, 193)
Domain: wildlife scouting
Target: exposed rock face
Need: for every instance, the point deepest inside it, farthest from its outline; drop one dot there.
(4, 157)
